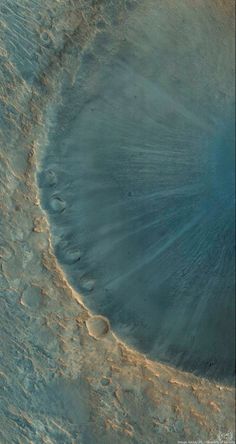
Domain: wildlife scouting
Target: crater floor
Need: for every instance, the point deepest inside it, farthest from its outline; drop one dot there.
(66, 376)
(138, 181)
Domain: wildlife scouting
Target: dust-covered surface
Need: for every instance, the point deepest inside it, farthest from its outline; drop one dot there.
(58, 383)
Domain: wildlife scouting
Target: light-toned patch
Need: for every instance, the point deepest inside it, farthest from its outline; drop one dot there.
(215, 407)
(178, 383)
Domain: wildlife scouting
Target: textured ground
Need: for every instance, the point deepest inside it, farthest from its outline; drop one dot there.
(64, 376)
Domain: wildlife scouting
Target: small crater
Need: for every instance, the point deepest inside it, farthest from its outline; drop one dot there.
(50, 178)
(45, 37)
(57, 204)
(98, 326)
(67, 254)
(31, 297)
(87, 284)
(71, 257)
(105, 382)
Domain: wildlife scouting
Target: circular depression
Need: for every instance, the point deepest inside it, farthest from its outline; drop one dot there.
(138, 183)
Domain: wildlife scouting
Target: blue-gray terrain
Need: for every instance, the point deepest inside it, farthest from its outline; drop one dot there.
(138, 180)
(116, 221)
